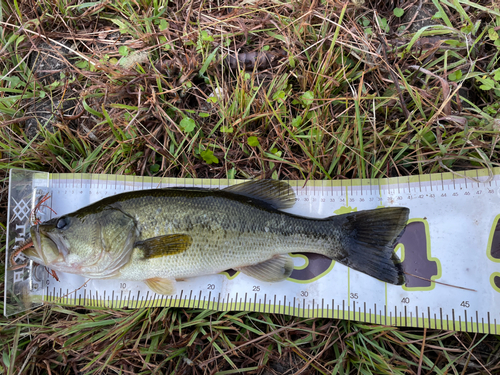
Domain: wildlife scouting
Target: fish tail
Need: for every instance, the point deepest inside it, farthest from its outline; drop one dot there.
(368, 244)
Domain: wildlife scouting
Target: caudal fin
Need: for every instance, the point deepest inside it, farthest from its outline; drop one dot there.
(370, 239)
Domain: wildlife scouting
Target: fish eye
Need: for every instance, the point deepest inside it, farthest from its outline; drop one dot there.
(63, 223)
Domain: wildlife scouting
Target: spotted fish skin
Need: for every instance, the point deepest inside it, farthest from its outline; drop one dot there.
(163, 235)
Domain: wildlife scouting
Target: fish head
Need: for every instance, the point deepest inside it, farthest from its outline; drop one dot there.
(95, 244)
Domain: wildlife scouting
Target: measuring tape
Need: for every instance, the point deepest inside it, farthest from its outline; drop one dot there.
(451, 248)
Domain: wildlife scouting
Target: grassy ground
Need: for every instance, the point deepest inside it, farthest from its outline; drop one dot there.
(287, 90)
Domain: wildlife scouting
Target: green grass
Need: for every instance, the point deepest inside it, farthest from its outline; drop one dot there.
(159, 91)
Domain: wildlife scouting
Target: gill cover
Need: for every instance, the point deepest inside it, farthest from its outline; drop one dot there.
(118, 232)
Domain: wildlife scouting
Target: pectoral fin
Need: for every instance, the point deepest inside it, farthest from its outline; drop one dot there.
(161, 286)
(272, 270)
(164, 245)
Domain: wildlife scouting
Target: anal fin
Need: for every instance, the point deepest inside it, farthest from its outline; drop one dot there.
(161, 286)
(275, 269)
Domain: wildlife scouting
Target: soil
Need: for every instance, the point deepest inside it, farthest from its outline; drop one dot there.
(419, 16)
(50, 63)
(49, 60)
(47, 113)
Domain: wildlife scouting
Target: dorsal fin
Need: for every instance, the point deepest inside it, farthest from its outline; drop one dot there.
(278, 194)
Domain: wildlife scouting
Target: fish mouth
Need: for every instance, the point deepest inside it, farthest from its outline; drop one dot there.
(32, 253)
(46, 247)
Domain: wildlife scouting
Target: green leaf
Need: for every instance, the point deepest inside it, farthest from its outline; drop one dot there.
(206, 37)
(208, 61)
(487, 83)
(84, 5)
(280, 95)
(163, 40)
(276, 152)
(297, 121)
(187, 124)
(315, 132)
(83, 64)
(154, 168)
(455, 43)
(209, 157)
(437, 15)
(124, 28)
(455, 76)
(398, 12)
(91, 110)
(123, 50)
(383, 23)
(467, 29)
(307, 97)
(163, 24)
(14, 81)
(253, 141)
(6, 358)
(276, 35)
(18, 10)
(476, 27)
(429, 137)
(492, 34)
(496, 77)
(124, 106)
(226, 129)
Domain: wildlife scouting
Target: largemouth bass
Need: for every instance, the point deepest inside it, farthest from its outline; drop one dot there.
(163, 235)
